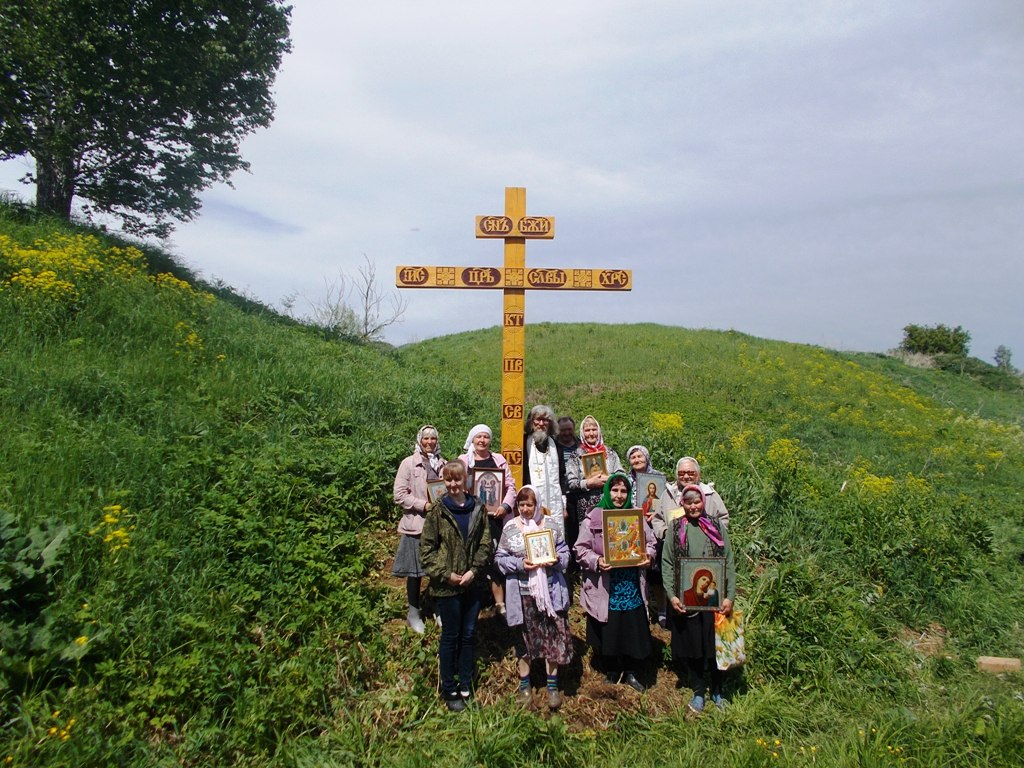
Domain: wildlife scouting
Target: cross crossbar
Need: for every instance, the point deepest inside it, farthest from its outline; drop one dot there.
(515, 228)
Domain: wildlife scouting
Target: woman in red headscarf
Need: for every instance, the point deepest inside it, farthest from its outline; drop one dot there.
(589, 487)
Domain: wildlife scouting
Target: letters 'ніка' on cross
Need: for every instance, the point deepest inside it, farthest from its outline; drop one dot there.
(515, 228)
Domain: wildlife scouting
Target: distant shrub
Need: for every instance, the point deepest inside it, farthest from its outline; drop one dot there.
(935, 339)
(990, 376)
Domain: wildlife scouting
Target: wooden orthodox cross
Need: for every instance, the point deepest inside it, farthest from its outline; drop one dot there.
(515, 228)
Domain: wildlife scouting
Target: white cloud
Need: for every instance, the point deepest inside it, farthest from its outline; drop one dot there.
(822, 172)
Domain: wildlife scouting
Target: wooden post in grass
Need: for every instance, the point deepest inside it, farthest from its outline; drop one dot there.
(515, 228)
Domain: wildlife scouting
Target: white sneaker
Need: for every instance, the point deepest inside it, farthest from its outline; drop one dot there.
(415, 620)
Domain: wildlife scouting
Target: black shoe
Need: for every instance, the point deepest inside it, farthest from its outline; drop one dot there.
(613, 678)
(630, 679)
(455, 703)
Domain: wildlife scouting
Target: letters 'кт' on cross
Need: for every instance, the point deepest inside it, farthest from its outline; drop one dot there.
(514, 279)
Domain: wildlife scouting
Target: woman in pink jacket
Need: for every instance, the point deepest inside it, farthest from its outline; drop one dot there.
(478, 455)
(614, 599)
(410, 494)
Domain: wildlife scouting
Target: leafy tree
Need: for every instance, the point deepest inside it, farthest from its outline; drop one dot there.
(135, 105)
(1002, 358)
(935, 340)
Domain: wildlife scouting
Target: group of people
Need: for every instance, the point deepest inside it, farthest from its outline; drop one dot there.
(463, 540)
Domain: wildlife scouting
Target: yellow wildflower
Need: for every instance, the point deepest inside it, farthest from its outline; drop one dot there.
(664, 422)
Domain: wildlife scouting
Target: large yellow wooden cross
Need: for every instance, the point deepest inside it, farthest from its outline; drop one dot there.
(515, 228)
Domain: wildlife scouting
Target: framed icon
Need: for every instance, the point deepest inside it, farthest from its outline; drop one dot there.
(594, 464)
(650, 490)
(624, 541)
(540, 547)
(489, 487)
(435, 490)
(700, 582)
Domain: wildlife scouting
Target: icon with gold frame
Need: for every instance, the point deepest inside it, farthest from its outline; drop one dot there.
(624, 542)
(540, 547)
(435, 490)
(594, 464)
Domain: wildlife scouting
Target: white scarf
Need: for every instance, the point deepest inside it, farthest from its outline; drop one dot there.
(434, 459)
(468, 446)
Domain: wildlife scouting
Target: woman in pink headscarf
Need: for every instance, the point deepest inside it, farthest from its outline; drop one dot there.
(536, 596)
(695, 535)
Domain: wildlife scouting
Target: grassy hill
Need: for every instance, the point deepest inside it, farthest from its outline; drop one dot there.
(195, 522)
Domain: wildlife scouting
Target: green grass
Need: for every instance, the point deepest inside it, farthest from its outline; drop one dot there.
(245, 463)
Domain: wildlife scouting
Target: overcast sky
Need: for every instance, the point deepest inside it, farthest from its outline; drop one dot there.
(819, 172)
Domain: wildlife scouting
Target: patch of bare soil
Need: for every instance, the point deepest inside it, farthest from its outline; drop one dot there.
(929, 642)
(589, 702)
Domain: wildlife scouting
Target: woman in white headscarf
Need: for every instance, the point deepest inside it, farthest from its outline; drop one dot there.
(478, 455)
(410, 494)
(647, 499)
(537, 596)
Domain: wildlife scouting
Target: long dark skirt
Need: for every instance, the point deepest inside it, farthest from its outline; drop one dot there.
(693, 634)
(626, 633)
(544, 637)
(585, 503)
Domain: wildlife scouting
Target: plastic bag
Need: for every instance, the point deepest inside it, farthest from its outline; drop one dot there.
(730, 650)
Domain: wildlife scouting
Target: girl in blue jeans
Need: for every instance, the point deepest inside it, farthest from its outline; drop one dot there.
(455, 548)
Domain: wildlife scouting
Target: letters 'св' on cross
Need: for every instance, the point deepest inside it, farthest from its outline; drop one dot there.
(515, 228)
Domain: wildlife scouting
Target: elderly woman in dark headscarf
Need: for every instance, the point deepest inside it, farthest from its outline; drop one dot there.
(410, 494)
(694, 534)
